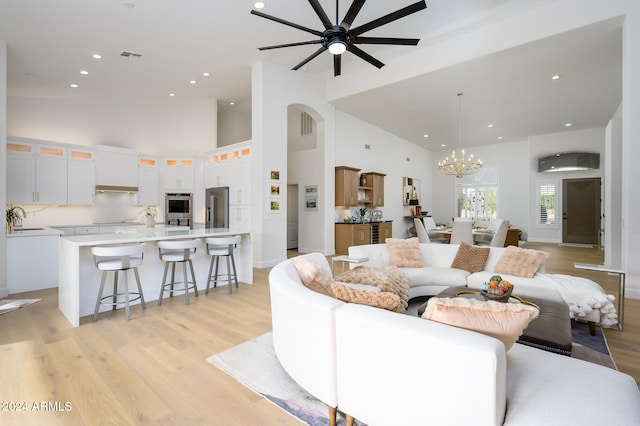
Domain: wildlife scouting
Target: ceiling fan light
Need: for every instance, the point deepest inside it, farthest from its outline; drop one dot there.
(337, 47)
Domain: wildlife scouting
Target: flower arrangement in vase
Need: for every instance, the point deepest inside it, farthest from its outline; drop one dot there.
(15, 214)
(363, 212)
(149, 214)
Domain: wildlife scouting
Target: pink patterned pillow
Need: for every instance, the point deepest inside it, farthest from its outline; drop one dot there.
(504, 321)
(314, 276)
(405, 253)
(520, 262)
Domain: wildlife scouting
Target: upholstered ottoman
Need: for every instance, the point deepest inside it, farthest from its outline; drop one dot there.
(550, 331)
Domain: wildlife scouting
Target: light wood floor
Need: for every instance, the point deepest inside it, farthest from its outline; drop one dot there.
(153, 369)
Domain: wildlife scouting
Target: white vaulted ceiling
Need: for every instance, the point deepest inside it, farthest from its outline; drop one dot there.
(51, 41)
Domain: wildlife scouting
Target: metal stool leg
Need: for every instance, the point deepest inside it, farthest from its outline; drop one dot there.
(206, 291)
(115, 289)
(164, 279)
(215, 274)
(126, 293)
(173, 277)
(193, 276)
(229, 276)
(102, 282)
(186, 282)
(235, 273)
(135, 271)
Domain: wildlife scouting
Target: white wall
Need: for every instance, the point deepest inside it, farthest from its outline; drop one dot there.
(4, 291)
(613, 191)
(390, 155)
(234, 124)
(167, 127)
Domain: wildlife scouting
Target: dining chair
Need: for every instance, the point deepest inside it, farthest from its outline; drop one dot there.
(462, 231)
(500, 234)
(429, 223)
(423, 236)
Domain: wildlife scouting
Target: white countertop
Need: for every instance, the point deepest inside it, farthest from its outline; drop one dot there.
(41, 231)
(141, 234)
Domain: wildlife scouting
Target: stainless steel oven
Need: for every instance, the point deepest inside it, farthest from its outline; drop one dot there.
(179, 209)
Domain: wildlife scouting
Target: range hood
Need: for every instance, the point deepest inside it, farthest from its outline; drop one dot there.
(116, 188)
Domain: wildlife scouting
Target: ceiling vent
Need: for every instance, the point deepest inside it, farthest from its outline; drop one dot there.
(569, 162)
(130, 55)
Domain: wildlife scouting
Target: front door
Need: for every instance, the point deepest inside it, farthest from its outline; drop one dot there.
(581, 211)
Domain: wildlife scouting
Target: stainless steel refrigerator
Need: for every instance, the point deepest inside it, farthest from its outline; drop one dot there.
(217, 209)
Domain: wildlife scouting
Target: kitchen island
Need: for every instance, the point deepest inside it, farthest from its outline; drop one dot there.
(79, 279)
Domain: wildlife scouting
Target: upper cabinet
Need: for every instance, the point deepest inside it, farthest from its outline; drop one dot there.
(148, 181)
(117, 167)
(179, 174)
(231, 167)
(374, 191)
(81, 184)
(36, 174)
(346, 186)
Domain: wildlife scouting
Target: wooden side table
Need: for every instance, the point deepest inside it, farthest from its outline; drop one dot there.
(621, 282)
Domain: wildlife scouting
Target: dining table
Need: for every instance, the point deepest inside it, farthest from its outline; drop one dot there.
(479, 234)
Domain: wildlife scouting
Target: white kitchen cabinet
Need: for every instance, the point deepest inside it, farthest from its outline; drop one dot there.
(116, 167)
(179, 174)
(36, 174)
(148, 182)
(231, 168)
(22, 253)
(81, 187)
(239, 218)
(86, 230)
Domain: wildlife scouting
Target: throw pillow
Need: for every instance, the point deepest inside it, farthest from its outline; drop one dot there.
(313, 276)
(504, 321)
(520, 262)
(405, 253)
(470, 258)
(389, 279)
(384, 300)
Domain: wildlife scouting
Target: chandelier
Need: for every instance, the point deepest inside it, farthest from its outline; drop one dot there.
(458, 165)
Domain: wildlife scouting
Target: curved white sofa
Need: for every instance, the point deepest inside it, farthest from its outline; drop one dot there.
(387, 368)
(437, 274)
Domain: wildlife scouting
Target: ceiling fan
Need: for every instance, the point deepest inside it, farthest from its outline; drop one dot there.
(341, 37)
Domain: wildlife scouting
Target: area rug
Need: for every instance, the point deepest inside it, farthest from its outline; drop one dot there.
(8, 305)
(255, 365)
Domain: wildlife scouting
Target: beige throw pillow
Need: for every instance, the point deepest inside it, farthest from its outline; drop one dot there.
(520, 262)
(504, 321)
(470, 258)
(384, 300)
(405, 253)
(389, 279)
(314, 276)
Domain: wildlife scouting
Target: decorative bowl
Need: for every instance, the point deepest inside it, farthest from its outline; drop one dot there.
(502, 297)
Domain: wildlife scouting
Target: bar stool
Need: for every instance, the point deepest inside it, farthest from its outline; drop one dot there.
(172, 252)
(116, 259)
(218, 247)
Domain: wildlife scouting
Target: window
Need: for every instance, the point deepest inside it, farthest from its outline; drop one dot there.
(546, 204)
(477, 195)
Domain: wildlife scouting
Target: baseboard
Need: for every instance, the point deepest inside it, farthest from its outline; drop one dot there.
(4, 291)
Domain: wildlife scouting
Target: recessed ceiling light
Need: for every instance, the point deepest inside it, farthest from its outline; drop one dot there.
(96, 56)
(443, 145)
(567, 125)
(555, 77)
(425, 136)
(206, 74)
(192, 82)
(259, 5)
(489, 125)
(232, 103)
(74, 85)
(500, 137)
(84, 72)
(172, 94)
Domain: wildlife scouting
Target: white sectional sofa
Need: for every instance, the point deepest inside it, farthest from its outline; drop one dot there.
(437, 275)
(384, 368)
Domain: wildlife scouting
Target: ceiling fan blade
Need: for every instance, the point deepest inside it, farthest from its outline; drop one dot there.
(310, 57)
(315, 4)
(290, 24)
(351, 14)
(386, 40)
(337, 65)
(364, 55)
(301, 43)
(394, 16)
